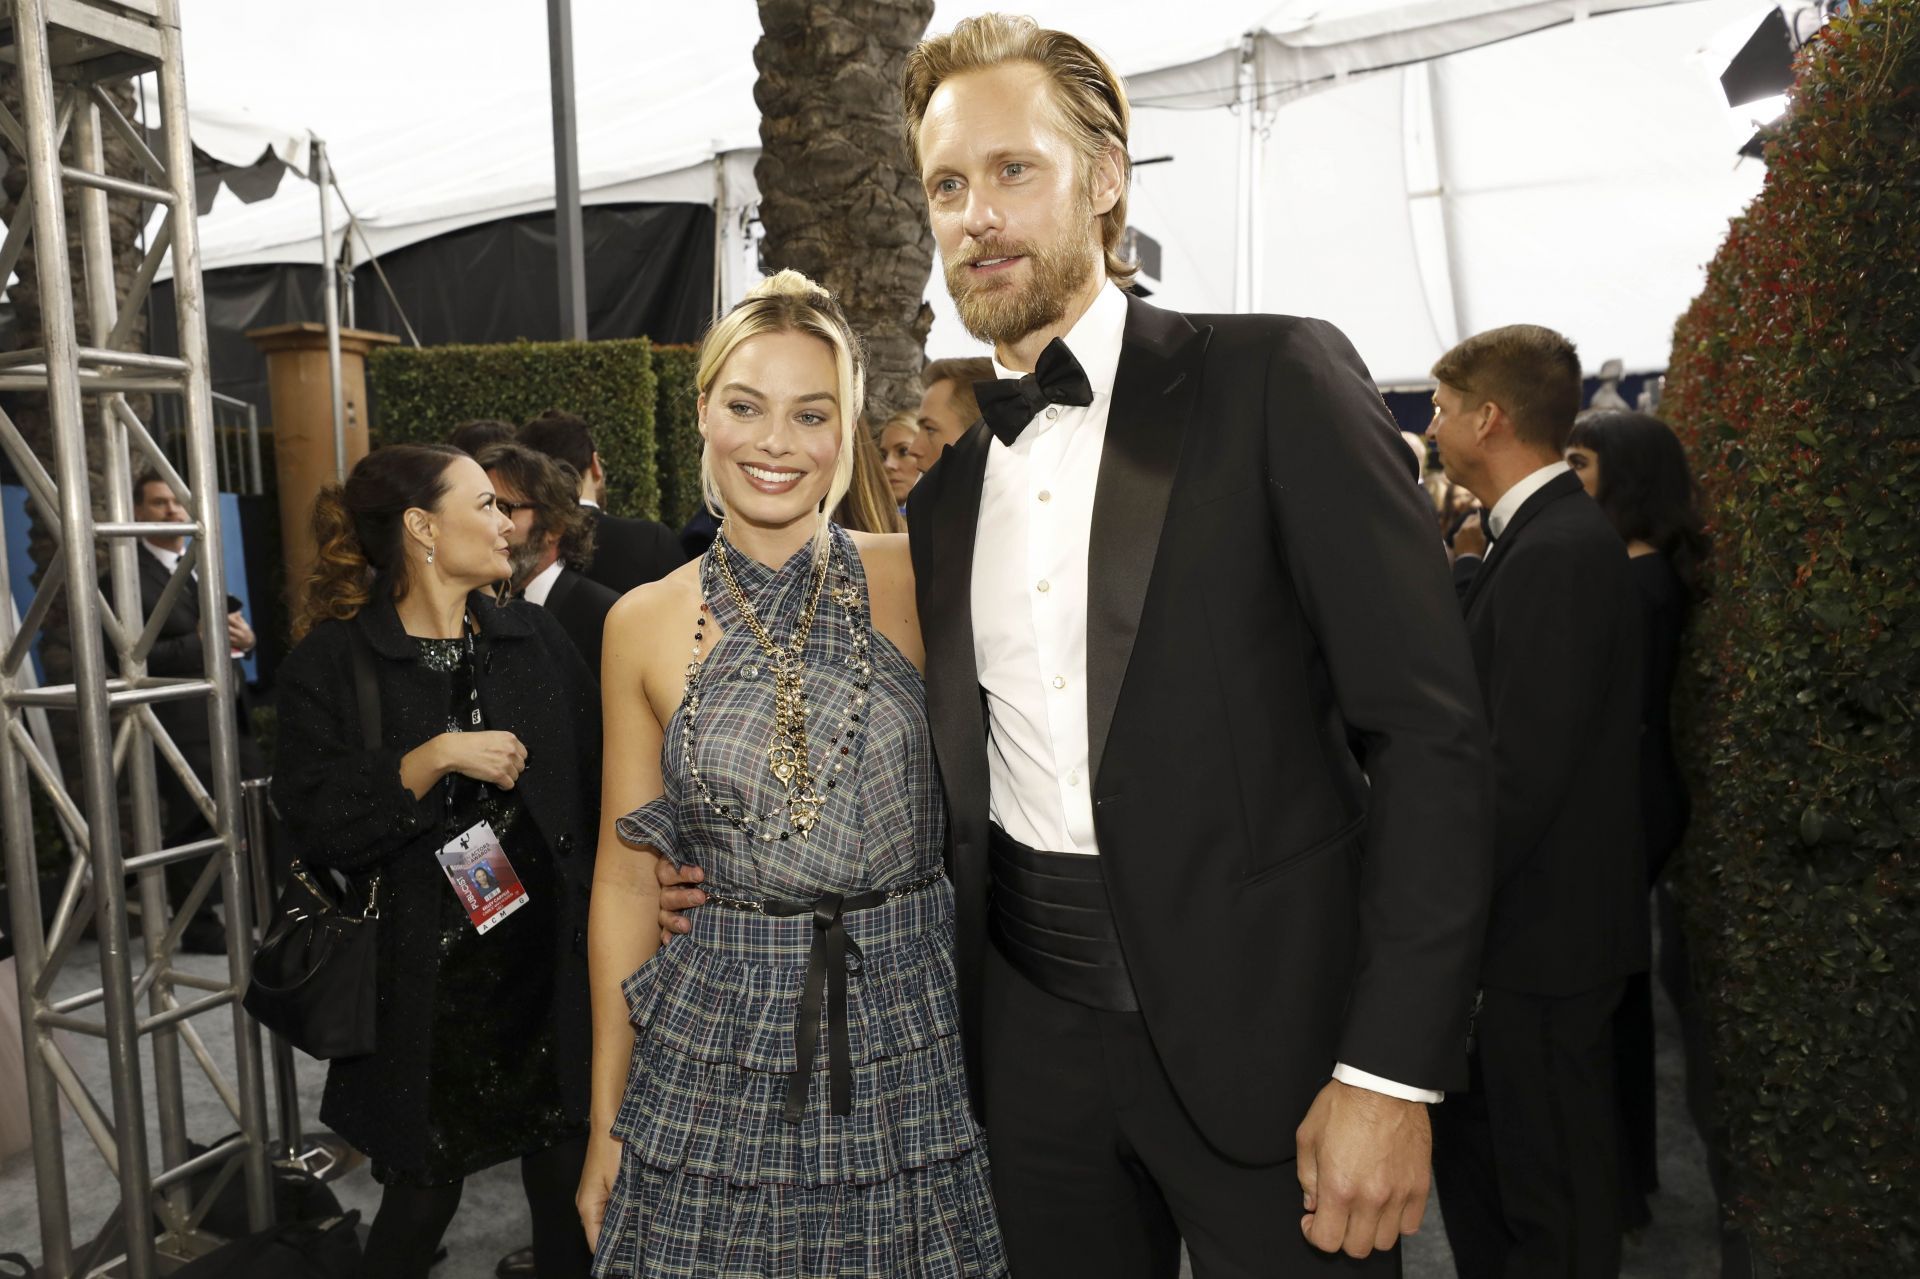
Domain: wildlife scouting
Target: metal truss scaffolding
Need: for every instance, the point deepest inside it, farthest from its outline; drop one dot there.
(65, 53)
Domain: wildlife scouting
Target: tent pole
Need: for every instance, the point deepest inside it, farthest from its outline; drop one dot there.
(719, 228)
(566, 175)
(1256, 178)
(323, 178)
(1243, 231)
(1443, 187)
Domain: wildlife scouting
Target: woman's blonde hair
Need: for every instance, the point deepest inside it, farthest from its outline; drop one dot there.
(869, 506)
(1090, 102)
(906, 419)
(790, 303)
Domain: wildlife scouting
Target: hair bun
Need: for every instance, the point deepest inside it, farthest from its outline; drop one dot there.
(791, 284)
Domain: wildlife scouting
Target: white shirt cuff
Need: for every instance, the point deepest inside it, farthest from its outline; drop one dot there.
(1373, 1083)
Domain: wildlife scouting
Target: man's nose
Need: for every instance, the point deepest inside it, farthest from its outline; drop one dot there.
(981, 217)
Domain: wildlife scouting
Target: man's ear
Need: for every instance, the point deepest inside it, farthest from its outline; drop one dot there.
(1107, 181)
(595, 471)
(1492, 418)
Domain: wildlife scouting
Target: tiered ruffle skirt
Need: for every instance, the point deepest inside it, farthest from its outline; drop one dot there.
(715, 1184)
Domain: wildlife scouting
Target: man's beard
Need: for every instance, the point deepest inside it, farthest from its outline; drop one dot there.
(1001, 312)
(525, 558)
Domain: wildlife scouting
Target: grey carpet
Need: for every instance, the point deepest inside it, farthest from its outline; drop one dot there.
(1681, 1243)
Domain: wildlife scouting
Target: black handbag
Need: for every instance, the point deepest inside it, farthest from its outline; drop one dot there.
(315, 974)
(324, 1249)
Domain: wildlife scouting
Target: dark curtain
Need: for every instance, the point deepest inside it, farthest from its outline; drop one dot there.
(649, 274)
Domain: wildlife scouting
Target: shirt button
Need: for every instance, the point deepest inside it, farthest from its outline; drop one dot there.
(1053, 413)
(1059, 681)
(1045, 496)
(1043, 588)
(1073, 778)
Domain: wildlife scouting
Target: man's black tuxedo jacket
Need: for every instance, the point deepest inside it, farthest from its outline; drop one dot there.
(581, 605)
(178, 654)
(1554, 622)
(629, 553)
(1262, 578)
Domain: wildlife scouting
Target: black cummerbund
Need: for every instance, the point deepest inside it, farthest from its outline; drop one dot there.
(1050, 918)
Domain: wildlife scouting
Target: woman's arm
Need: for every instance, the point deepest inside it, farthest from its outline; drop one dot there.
(348, 807)
(621, 929)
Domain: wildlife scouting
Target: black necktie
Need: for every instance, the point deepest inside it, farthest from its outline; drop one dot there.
(1009, 404)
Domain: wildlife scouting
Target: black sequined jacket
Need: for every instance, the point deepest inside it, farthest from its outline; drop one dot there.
(345, 808)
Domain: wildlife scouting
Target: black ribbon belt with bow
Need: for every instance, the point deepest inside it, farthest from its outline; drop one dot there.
(1009, 404)
(826, 982)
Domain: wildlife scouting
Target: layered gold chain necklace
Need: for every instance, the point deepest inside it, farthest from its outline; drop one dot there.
(788, 754)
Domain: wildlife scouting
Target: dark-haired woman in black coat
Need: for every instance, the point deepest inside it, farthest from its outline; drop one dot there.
(486, 712)
(1634, 467)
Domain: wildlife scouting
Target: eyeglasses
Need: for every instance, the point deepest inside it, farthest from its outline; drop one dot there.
(510, 509)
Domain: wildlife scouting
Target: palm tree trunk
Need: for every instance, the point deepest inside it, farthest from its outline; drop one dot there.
(839, 198)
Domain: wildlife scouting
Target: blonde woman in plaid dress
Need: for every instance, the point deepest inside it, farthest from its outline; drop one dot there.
(780, 1092)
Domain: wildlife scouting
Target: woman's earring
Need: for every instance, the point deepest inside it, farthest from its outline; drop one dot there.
(429, 555)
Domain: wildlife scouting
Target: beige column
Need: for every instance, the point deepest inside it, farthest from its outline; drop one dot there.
(302, 396)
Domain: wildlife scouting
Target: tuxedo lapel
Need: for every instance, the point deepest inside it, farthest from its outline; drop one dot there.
(562, 591)
(1153, 395)
(1558, 487)
(946, 619)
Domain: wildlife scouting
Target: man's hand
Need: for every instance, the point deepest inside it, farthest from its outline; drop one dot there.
(1365, 1163)
(240, 637)
(677, 893)
(1471, 537)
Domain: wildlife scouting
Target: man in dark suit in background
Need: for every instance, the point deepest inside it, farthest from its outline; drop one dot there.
(552, 535)
(947, 408)
(1525, 1160)
(627, 552)
(178, 653)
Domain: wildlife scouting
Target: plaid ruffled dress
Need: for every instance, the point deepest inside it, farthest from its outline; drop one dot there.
(717, 1179)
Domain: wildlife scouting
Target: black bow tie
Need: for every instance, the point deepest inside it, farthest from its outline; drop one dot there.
(1009, 404)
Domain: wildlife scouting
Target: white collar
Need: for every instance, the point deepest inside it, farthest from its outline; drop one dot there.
(169, 560)
(1095, 340)
(541, 584)
(1514, 498)
(591, 505)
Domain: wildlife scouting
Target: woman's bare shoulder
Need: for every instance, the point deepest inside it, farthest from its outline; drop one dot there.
(884, 555)
(651, 604)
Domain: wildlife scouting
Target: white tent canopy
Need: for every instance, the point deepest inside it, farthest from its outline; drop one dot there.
(1578, 176)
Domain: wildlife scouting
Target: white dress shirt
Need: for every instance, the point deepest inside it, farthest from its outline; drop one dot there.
(169, 560)
(541, 584)
(1030, 600)
(1030, 615)
(1516, 497)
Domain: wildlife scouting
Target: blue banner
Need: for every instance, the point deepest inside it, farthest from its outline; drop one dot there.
(13, 522)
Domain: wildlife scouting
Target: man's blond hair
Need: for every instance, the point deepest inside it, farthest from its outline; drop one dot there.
(1089, 100)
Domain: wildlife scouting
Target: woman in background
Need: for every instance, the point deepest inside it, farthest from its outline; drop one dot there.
(486, 712)
(895, 436)
(869, 506)
(1634, 467)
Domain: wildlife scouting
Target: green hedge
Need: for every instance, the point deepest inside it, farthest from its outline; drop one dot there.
(421, 395)
(1796, 385)
(678, 428)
